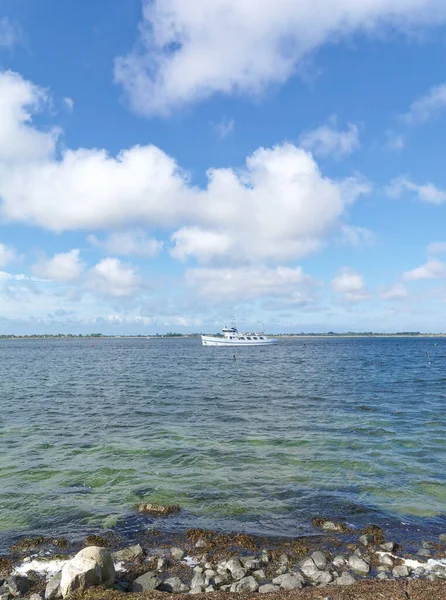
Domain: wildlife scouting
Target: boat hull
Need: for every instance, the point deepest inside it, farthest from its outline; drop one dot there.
(209, 340)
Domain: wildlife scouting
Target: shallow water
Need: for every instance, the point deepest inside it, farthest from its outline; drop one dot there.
(344, 428)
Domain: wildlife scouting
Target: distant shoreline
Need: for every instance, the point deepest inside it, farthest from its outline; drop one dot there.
(197, 335)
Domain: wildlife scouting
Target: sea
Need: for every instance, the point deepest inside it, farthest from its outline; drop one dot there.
(256, 440)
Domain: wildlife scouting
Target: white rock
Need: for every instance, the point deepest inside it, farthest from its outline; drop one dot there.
(339, 561)
(198, 581)
(400, 571)
(196, 590)
(319, 559)
(176, 553)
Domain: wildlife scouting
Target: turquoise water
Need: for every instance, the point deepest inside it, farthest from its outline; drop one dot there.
(346, 428)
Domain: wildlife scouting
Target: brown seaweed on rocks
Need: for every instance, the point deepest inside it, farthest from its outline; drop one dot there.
(5, 566)
(159, 510)
(375, 534)
(97, 540)
(330, 525)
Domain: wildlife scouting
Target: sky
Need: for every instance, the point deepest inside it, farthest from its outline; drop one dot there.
(176, 166)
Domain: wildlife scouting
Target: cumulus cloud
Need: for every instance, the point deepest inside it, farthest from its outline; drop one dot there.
(111, 277)
(433, 269)
(183, 54)
(350, 284)
(279, 206)
(249, 283)
(7, 255)
(428, 106)
(128, 243)
(328, 140)
(63, 267)
(427, 192)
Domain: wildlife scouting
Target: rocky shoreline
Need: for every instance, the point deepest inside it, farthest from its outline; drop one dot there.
(338, 563)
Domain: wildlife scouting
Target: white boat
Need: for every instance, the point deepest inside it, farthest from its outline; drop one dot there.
(231, 337)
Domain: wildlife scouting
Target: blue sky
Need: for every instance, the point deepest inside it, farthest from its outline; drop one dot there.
(174, 166)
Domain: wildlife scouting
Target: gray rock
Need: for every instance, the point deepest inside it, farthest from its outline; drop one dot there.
(442, 538)
(198, 569)
(252, 564)
(324, 578)
(387, 560)
(432, 577)
(281, 570)
(128, 554)
(440, 571)
(35, 597)
(226, 588)
(80, 573)
(400, 571)
(424, 552)
(265, 557)
(419, 572)
(17, 585)
(4, 595)
(177, 553)
(290, 581)
(173, 585)
(235, 567)
(260, 574)
(210, 588)
(283, 559)
(345, 579)
(308, 567)
(359, 552)
(319, 559)
(330, 526)
(364, 539)
(426, 544)
(358, 565)
(268, 588)
(382, 575)
(52, 590)
(91, 566)
(383, 568)
(198, 581)
(339, 561)
(196, 590)
(161, 564)
(247, 584)
(388, 546)
(146, 583)
(201, 543)
(209, 573)
(219, 579)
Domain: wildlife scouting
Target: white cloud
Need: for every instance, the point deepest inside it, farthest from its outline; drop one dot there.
(20, 142)
(63, 267)
(9, 33)
(128, 243)
(327, 140)
(224, 127)
(7, 255)
(249, 283)
(350, 284)
(394, 292)
(428, 106)
(278, 207)
(111, 277)
(436, 248)
(425, 193)
(69, 103)
(357, 236)
(433, 269)
(189, 50)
